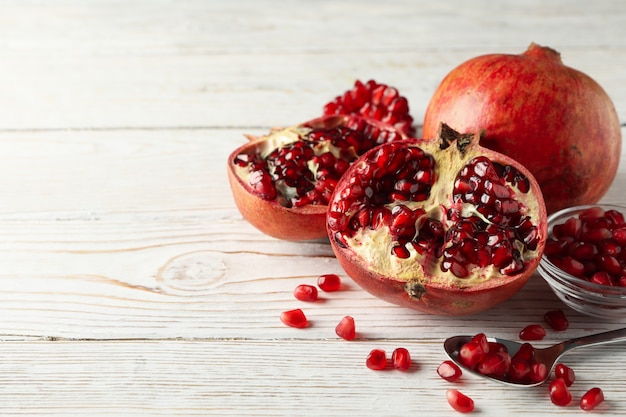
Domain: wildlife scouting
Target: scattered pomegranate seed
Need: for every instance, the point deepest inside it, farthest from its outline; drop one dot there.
(449, 371)
(532, 332)
(401, 359)
(459, 401)
(305, 292)
(565, 372)
(591, 399)
(557, 320)
(559, 393)
(376, 360)
(329, 282)
(346, 329)
(294, 318)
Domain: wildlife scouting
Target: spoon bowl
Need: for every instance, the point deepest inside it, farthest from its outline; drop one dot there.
(548, 356)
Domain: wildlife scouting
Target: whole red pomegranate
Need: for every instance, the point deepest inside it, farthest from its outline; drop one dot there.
(555, 120)
(442, 226)
(282, 182)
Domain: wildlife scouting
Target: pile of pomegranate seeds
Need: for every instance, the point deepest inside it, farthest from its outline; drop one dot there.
(591, 246)
(375, 101)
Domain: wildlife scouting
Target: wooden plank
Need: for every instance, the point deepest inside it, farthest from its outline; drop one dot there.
(225, 378)
(111, 65)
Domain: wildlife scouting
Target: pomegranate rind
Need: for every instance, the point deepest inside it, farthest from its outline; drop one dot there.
(432, 291)
(555, 120)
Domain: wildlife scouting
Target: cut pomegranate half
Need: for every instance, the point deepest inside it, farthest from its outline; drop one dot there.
(443, 226)
(282, 182)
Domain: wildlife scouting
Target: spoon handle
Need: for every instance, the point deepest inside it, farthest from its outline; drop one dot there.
(611, 336)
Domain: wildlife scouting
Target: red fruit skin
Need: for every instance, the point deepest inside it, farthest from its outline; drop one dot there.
(432, 297)
(556, 121)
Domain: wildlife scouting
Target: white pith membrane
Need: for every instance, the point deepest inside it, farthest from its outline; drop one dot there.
(374, 246)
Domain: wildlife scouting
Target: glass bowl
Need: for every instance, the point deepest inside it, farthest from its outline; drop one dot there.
(602, 301)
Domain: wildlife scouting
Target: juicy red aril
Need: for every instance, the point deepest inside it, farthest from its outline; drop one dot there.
(374, 100)
(538, 372)
(565, 372)
(557, 320)
(559, 393)
(532, 332)
(401, 359)
(294, 318)
(329, 282)
(305, 292)
(376, 360)
(591, 399)
(495, 364)
(346, 328)
(398, 175)
(449, 371)
(591, 246)
(459, 401)
(471, 353)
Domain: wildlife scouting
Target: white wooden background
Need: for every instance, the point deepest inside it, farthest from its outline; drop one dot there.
(129, 283)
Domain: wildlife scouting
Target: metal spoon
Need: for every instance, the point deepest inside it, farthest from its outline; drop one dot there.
(548, 356)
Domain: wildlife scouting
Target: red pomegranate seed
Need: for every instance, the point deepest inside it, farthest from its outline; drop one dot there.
(495, 364)
(401, 359)
(538, 372)
(376, 360)
(532, 332)
(519, 370)
(294, 318)
(526, 352)
(329, 282)
(471, 353)
(591, 399)
(305, 292)
(565, 372)
(449, 371)
(459, 401)
(557, 320)
(559, 393)
(346, 329)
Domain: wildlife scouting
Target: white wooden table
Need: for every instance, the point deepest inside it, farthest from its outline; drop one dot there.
(130, 284)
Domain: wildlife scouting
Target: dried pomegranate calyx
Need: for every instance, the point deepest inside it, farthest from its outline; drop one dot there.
(437, 211)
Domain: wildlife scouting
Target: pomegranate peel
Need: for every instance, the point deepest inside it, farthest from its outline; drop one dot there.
(281, 182)
(555, 120)
(443, 225)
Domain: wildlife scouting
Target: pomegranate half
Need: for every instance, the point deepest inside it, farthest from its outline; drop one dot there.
(555, 120)
(443, 226)
(281, 182)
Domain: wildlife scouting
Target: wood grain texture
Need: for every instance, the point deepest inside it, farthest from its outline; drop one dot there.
(130, 284)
